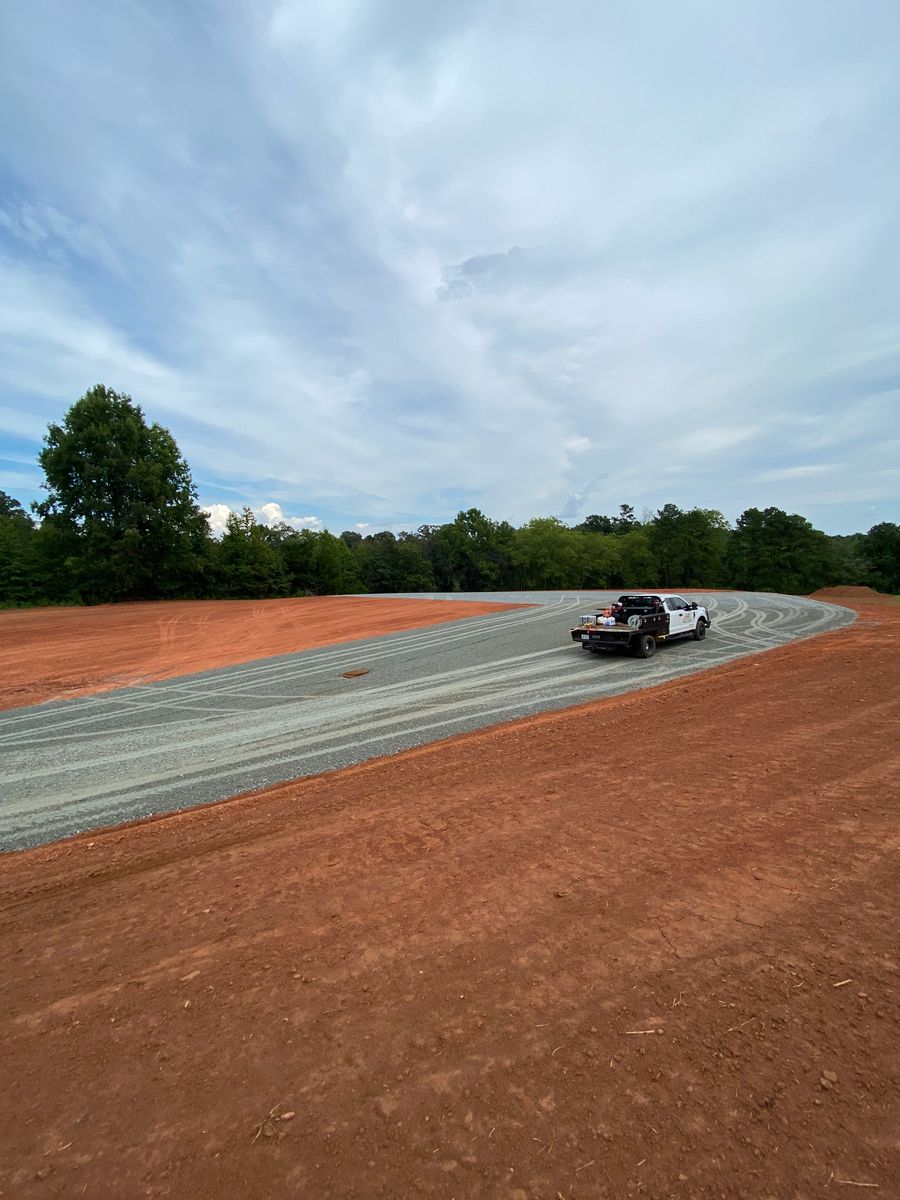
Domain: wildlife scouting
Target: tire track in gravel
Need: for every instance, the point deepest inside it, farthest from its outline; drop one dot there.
(161, 747)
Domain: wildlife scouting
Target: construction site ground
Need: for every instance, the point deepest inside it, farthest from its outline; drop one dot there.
(536, 962)
(58, 653)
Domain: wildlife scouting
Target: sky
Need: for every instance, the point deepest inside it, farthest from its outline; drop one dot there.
(372, 262)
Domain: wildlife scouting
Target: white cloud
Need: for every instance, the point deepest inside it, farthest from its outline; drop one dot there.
(365, 528)
(701, 442)
(806, 471)
(266, 514)
(273, 514)
(217, 516)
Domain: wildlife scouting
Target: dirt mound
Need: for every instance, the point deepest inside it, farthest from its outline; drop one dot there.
(848, 592)
(850, 596)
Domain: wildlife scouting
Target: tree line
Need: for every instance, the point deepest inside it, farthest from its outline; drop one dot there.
(121, 522)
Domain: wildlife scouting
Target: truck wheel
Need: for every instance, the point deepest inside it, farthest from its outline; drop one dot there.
(646, 646)
(699, 631)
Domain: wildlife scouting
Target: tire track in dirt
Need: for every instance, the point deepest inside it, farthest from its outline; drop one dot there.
(177, 743)
(439, 962)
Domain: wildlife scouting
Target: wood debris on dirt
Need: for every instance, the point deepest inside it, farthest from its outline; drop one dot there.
(267, 1127)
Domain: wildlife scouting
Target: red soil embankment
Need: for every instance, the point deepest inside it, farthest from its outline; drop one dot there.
(646, 947)
(55, 653)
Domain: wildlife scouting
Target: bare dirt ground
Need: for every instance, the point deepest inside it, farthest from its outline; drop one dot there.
(647, 947)
(55, 653)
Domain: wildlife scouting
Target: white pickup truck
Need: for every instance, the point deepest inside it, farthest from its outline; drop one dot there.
(637, 621)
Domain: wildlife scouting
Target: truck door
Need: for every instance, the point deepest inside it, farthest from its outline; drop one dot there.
(681, 616)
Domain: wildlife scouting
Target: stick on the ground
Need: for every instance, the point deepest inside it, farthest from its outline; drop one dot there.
(267, 1124)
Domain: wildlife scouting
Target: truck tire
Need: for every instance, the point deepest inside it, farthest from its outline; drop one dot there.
(699, 631)
(645, 646)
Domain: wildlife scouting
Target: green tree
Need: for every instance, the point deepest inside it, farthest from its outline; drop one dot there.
(249, 565)
(335, 567)
(18, 555)
(298, 558)
(393, 564)
(377, 558)
(58, 562)
(772, 551)
(295, 550)
(445, 546)
(10, 507)
(125, 494)
(595, 523)
(689, 547)
(626, 521)
(668, 547)
(546, 553)
(596, 560)
(850, 562)
(881, 548)
(415, 573)
(634, 565)
(485, 550)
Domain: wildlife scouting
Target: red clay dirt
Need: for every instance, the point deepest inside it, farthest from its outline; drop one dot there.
(643, 948)
(56, 653)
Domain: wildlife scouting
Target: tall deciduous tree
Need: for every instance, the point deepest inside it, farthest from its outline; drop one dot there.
(298, 557)
(485, 549)
(596, 560)
(624, 522)
(416, 574)
(772, 551)
(595, 523)
(335, 567)
(446, 548)
(125, 494)
(689, 546)
(249, 564)
(391, 564)
(881, 547)
(546, 553)
(634, 565)
(18, 560)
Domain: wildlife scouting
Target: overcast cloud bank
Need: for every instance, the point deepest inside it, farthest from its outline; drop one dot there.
(385, 261)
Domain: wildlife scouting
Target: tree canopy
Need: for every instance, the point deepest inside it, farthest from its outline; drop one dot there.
(123, 501)
(772, 551)
(121, 522)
